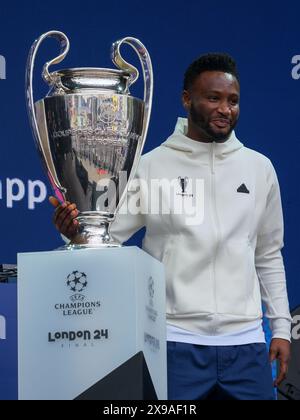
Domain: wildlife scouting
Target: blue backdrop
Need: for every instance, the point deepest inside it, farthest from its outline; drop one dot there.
(263, 37)
(8, 342)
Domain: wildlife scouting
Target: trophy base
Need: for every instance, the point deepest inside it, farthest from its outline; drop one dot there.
(93, 234)
(74, 247)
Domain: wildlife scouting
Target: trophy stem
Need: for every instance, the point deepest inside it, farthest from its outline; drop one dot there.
(93, 233)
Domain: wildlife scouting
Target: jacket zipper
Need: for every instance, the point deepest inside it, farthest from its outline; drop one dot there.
(216, 224)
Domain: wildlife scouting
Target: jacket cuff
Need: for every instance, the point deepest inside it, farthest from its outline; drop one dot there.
(281, 328)
(282, 336)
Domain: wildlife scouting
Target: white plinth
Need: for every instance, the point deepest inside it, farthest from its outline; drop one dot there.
(86, 317)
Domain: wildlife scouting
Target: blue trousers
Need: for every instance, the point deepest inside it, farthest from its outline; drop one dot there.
(219, 373)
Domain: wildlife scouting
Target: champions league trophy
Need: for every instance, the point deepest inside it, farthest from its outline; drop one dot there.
(102, 305)
(90, 134)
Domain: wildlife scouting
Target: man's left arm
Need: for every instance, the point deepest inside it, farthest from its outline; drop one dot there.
(271, 273)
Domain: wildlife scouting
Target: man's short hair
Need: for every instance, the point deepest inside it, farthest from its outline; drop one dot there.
(209, 62)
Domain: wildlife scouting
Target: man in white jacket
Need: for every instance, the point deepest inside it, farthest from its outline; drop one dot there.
(222, 261)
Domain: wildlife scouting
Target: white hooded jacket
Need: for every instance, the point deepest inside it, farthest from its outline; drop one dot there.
(218, 271)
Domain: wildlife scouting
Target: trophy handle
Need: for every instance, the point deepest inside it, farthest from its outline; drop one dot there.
(146, 64)
(65, 46)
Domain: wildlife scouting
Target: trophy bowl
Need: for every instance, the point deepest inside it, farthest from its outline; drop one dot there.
(90, 133)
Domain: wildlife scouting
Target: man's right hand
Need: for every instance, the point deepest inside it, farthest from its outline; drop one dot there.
(64, 218)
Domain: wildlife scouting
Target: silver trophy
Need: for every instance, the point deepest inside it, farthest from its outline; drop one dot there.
(90, 133)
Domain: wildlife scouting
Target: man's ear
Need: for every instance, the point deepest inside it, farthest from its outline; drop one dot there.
(186, 100)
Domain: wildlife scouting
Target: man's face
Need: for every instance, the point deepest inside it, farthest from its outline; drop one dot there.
(213, 105)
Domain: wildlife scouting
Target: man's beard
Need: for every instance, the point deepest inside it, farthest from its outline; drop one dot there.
(200, 122)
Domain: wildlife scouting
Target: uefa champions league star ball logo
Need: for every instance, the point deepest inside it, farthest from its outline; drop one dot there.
(151, 290)
(81, 305)
(150, 310)
(77, 281)
(108, 113)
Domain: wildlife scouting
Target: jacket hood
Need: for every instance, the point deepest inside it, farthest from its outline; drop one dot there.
(180, 142)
